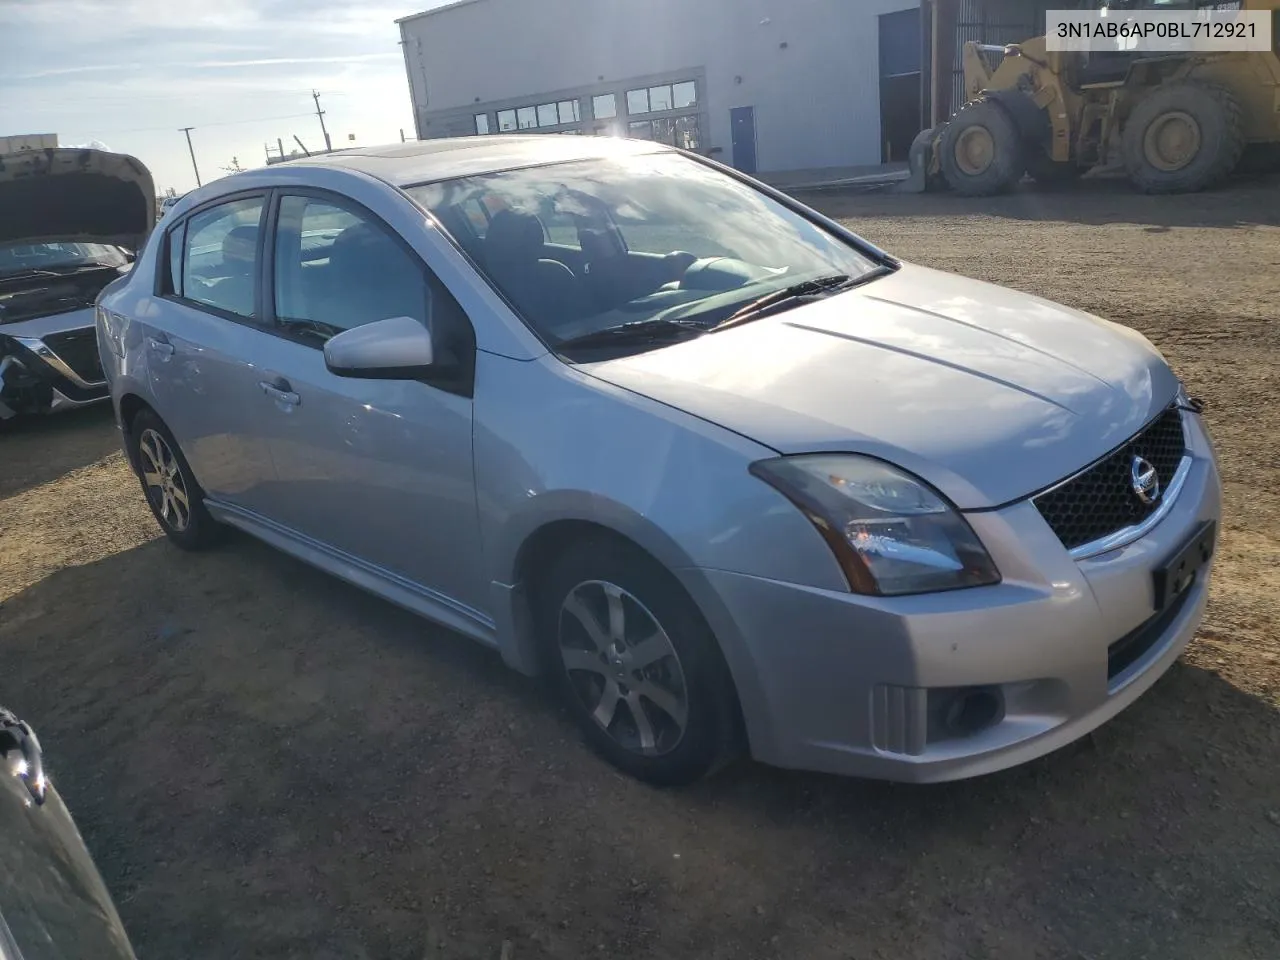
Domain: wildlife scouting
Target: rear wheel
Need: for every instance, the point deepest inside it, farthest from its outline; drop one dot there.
(1183, 137)
(982, 152)
(169, 486)
(635, 664)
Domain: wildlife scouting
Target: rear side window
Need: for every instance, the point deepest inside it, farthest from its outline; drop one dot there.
(220, 256)
(336, 268)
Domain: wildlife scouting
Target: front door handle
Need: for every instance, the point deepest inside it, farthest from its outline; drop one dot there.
(162, 347)
(280, 392)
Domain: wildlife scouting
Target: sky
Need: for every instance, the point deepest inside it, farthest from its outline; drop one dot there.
(129, 73)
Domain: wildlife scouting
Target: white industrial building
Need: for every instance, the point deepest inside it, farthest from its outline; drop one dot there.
(766, 85)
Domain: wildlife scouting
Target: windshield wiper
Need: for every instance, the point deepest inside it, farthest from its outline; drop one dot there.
(27, 273)
(66, 270)
(94, 265)
(798, 294)
(653, 330)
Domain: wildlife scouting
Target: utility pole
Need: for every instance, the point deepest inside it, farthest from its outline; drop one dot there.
(192, 150)
(328, 145)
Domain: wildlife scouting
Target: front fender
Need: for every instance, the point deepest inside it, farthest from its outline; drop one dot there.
(554, 444)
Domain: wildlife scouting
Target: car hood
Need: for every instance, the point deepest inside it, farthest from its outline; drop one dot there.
(76, 194)
(988, 394)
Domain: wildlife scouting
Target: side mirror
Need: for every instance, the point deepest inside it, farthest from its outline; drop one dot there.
(398, 348)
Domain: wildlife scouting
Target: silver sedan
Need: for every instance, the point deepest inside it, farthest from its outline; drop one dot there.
(733, 478)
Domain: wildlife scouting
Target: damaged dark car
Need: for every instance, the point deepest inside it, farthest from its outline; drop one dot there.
(53, 903)
(71, 221)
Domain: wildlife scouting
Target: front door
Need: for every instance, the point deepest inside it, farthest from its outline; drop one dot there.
(380, 470)
(199, 339)
(743, 122)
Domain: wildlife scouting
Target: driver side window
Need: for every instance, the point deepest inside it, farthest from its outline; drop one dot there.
(337, 268)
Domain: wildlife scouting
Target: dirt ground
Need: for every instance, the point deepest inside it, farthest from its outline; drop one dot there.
(267, 763)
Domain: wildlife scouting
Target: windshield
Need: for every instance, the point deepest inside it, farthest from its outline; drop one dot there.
(582, 247)
(21, 257)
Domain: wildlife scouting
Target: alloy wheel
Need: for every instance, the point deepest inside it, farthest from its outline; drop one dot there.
(165, 485)
(623, 667)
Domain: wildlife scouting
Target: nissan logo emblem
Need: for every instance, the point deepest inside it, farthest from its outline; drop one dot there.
(1145, 481)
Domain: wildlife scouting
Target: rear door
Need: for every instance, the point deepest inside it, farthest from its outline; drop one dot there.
(202, 344)
(380, 470)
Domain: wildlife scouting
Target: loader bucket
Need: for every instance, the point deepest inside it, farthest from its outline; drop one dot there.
(922, 163)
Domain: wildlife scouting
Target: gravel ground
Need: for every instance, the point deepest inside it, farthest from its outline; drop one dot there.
(268, 763)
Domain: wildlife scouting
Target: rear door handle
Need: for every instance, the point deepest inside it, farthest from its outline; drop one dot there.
(163, 347)
(280, 392)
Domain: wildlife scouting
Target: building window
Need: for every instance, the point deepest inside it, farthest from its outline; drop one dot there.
(683, 132)
(569, 111)
(667, 96)
(604, 107)
(482, 123)
(688, 135)
(528, 117)
(506, 120)
(547, 115)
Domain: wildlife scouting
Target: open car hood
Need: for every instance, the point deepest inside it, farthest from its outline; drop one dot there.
(76, 194)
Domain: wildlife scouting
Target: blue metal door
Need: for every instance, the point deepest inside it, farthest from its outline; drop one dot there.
(743, 122)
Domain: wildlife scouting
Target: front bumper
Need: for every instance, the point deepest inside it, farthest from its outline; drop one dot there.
(50, 365)
(852, 685)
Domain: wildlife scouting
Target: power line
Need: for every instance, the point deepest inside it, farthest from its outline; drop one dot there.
(217, 123)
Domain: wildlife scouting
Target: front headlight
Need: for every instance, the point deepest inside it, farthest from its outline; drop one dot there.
(891, 533)
(1185, 401)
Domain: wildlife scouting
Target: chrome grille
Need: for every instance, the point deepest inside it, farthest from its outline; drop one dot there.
(1100, 500)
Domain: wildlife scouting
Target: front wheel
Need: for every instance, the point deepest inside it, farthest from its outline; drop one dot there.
(981, 152)
(171, 490)
(635, 664)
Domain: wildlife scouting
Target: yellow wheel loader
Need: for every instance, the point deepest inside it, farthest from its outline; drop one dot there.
(1176, 122)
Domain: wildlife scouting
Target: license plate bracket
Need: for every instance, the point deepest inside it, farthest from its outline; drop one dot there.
(1175, 576)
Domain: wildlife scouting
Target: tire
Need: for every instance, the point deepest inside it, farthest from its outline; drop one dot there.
(686, 680)
(982, 152)
(1160, 160)
(152, 445)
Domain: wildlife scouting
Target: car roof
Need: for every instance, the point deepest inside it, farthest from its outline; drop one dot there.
(426, 161)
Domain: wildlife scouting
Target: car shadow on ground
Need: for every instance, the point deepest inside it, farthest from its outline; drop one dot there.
(37, 450)
(267, 762)
(1245, 201)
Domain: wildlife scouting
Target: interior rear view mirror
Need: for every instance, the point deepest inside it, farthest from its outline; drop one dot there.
(398, 348)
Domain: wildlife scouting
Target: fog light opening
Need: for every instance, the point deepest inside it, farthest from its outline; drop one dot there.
(972, 710)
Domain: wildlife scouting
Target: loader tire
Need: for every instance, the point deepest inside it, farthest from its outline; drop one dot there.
(982, 152)
(1183, 137)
